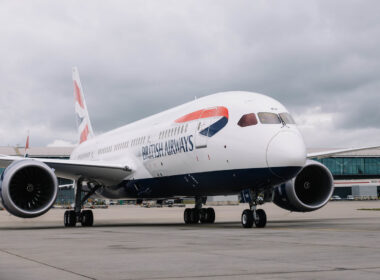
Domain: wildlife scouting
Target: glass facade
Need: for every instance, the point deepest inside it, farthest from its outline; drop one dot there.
(346, 166)
(65, 196)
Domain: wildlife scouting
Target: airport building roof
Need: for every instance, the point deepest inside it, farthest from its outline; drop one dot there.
(49, 152)
(363, 153)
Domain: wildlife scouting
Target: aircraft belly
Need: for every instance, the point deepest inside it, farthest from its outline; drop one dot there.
(201, 184)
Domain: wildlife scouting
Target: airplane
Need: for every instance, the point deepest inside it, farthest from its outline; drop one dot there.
(226, 143)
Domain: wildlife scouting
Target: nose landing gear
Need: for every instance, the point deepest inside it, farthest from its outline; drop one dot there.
(253, 216)
(248, 218)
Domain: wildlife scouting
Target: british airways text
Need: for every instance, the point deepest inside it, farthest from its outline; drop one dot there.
(168, 148)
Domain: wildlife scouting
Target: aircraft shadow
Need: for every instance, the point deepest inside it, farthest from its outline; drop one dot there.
(289, 224)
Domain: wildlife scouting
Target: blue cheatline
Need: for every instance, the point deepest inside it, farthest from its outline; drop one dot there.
(214, 128)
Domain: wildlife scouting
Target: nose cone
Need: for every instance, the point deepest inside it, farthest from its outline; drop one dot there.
(286, 154)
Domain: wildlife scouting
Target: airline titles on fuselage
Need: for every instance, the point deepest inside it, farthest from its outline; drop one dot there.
(169, 147)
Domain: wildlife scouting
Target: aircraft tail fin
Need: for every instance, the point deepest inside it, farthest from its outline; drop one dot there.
(27, 146)
(85, 131)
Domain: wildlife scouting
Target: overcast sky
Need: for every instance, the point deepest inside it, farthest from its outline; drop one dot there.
(321, 59)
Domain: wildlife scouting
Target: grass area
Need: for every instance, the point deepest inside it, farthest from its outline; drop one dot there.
(370, 209)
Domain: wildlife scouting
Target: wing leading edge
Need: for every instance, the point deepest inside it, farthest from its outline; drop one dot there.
(110, 173)
(324, 154)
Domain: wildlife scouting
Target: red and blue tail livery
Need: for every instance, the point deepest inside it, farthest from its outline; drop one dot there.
(85, 131)
(217, 116)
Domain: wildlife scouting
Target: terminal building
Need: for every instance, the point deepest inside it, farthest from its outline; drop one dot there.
(355, 173)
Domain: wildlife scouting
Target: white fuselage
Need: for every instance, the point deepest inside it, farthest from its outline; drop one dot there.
(164, 145)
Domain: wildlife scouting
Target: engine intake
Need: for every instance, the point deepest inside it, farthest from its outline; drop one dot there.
(310, 190)
(28, 188)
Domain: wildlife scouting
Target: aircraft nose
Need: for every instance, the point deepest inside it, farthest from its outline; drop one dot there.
(286, 154)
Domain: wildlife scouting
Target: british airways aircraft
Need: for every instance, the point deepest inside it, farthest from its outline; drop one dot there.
(226, 143)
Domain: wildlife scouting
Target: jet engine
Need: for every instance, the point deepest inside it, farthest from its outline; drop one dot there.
(28, 188)
(310, 190)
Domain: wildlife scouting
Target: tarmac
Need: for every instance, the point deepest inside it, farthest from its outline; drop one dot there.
(131, 242)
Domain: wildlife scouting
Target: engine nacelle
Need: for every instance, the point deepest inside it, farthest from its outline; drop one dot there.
(28, 188)
(310, 190)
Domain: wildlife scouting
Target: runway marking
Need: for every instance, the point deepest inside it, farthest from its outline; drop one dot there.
(325, 229)
(45, 264)
(336, 269)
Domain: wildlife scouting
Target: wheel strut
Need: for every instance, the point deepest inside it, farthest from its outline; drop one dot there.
(85, 217)
(253, 216)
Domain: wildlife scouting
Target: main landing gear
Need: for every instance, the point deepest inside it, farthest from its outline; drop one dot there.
(85, 217)
(253, 216)
(199, 214)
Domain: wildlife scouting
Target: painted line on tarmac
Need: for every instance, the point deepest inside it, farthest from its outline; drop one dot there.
(336, 269)
(45, 264)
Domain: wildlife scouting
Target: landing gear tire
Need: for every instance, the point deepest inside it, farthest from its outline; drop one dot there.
(194, 216)
(261, 218)
(87, 218)
(70, 219)
(203, 216)
(191, 216)
(247, 218)
(210, 215)
(207, 215)
(186, 216)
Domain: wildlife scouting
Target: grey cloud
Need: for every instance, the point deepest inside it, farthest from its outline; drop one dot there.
(137, 58)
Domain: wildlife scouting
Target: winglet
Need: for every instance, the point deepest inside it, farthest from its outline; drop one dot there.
(85, 130)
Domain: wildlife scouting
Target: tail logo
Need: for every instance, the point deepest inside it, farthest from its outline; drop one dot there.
(85, 131)
(78, 95)
(220, 114)
(84, 135)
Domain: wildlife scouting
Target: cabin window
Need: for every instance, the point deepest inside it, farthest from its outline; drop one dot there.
(269, 118)
(247, 120)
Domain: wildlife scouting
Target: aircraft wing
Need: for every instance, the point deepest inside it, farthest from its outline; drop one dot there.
(73, 169)
(324, 154)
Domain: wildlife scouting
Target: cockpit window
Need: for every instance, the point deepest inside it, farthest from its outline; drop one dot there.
(268, 118)
(247, 120)
(287, 118)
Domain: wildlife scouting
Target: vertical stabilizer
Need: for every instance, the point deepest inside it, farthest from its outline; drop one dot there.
(85, 131)
(27, 146)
